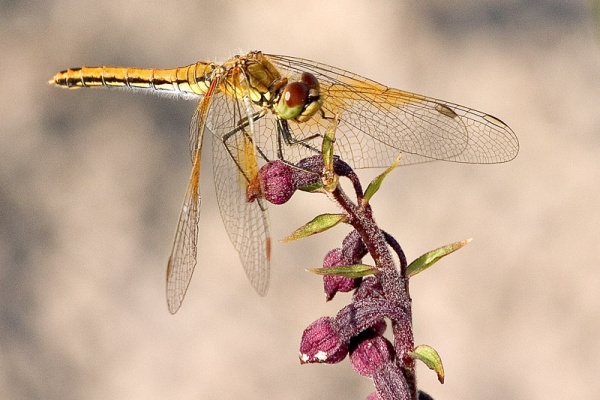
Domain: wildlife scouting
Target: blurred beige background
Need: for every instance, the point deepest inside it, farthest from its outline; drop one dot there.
(91, 183)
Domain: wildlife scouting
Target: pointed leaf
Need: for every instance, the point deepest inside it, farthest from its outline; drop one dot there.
(431, 358)
(319, 224)
(312, 188)
(430, 258)
(376, 183)
(347, 271)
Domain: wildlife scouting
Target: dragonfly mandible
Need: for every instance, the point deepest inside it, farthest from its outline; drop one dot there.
(261, 107)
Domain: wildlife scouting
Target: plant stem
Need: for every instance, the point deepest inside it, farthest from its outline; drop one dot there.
(393, 281)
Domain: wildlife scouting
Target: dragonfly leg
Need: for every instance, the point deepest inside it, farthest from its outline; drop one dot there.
(284, 133)
(241, 126)
(241, 129)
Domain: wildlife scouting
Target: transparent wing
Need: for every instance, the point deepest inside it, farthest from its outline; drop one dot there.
(378, 122)
(235, 165)
(183, 255)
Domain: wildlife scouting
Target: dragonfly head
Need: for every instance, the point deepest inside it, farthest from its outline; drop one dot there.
(300, 100)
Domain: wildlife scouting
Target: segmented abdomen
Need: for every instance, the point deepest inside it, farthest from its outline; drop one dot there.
(193, 79)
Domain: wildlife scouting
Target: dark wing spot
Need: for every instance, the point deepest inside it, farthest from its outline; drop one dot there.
(445, 110)
(494, 120)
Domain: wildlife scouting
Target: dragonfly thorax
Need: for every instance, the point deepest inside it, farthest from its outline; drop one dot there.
(298, 100)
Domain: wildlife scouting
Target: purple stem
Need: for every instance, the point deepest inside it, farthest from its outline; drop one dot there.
(394, 283)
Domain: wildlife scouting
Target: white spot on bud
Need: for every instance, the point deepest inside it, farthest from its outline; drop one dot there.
(321, 355)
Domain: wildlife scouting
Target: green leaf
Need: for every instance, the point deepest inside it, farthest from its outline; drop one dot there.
(431, 358)
(430, 258)
(376, 183)
(347, 271)
(312, 188)
(319, 224)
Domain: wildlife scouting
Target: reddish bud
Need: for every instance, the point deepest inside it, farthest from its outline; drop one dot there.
(353, 247)
(370, 287)
(370, 353)
(336, 283)
(312, 164)
(277, 181)
(322, 343)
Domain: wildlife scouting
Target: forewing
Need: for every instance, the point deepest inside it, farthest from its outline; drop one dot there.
(234, 165)
(377, 122)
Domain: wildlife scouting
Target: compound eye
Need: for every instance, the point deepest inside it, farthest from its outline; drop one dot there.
(293, 99)
(311, 81)
(295, 94)
(314, 101)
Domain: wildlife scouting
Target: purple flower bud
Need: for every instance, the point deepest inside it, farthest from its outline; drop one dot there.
(353, 247)
(312, 164)
(322, 343)
(315, 164)
(370, 353)
(333, 258)
(277, 181)
(307, 178)
(370, 287)
(336, 283)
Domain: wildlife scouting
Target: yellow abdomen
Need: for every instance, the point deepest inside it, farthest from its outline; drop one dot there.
(190, 80)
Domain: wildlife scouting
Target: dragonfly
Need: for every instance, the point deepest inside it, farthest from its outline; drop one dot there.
(261, 107)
